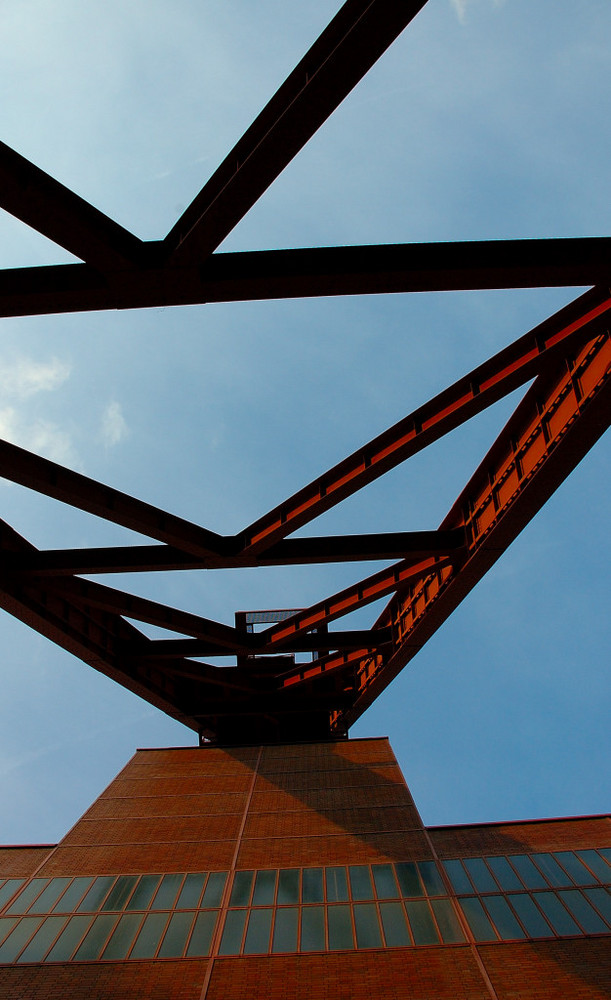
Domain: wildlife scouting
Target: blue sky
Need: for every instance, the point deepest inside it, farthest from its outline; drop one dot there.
(485, 120)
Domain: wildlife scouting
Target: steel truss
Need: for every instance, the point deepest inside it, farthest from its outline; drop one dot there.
(265, 694)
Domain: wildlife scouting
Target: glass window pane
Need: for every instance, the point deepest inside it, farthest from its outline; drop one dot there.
(480, 875)
(340, 928)
(458, 876)
(576, 869)
(421, 921)
(176, 935)
(311, 885)
(559, 918)
(26, 897)
(531, 876)
(144, 892)
(123, 936)
(68, 939)
(602, 901)
(367, 926)
(337, 884)
(240, 892)
(265, 887)
(530, 916)
(150, 935)
(505, 875)
(214, 889)
(288, 886)
(313, 928)
(360, 882)
(447, 921)
(8, 889)
(95, 897)
(432, 880)
(597, 864)
(96, 938)
(478, 921)
(233, 930)
(409, 880)
(165, 897)
(205, 922)
(580, 908)
(285, 929)
(554, 874)
(42, 940)
(120, 892)
(73, 895)
(191, 892)
(18, 938)
(394, 924)
(606, 853)
(49, 896)
(258, 932)
(6, 925)
(505, 922)
(384, 878)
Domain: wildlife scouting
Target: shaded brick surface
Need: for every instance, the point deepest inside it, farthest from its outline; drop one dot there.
(510, 838)
(21, 861)
(105, 981)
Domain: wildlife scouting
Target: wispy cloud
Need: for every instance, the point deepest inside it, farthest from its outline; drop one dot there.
(461, 6)
(24, 377)
(41, 436)
(114, 427)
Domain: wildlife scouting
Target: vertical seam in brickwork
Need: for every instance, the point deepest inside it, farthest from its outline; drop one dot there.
(465, 926)
(216, 940)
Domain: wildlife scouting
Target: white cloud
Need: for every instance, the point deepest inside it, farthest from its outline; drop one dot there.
(460, 6)
(42, 437)
(114, 427)
(24, 377)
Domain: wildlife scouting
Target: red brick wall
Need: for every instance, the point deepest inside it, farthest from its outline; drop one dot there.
(512, 838)
(21, 861)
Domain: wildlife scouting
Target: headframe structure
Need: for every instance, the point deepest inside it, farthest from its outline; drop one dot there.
(265, 695)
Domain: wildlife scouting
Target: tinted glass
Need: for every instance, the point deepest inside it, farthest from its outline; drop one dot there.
(394, 924)
(576, 869)
(557, 915)
(285, 929)
(26, 897)
(433, 882)
(232, 932)
(120, 892)
(313, 928)
(530, 916)
(95, 897)
(601, 900)
(191, 892)
(150, 935)
(367, 926)
(96, 938)
(597, 864)
(340, 928)
(288, 885)
(360, 882)
(447, 921)
(165, 897)
(73, 895)
(240, 892)
(478, 921)
(6, 926)
(203, 930)
(265, 887)
(123, 936)
(214, 889)
(337, 884)
(480, 875)
(43, 939)
(505, 875)
(421, 922)
(384, 878)
(581, 909)
(68, 939)
(311, 885)
(458, 876)
(503, 918)
(10, 886)
(409, 880)
(554, 874)
(18, 938)
(144, 892)
(531, 876)
(258, 932)
(49, 896)
(175, 938)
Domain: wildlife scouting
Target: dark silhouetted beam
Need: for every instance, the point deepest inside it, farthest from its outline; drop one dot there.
(348, 47)
(162, 649)
(473, 393)
(280, 274)
(43, 203)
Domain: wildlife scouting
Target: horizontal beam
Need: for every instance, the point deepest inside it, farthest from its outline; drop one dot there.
(348, 47)
(290, 551)
(35, 198)
(473, 393)
(282, 274)
(162, 649)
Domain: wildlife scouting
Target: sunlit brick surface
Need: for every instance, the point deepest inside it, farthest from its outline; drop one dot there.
(15, 861)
